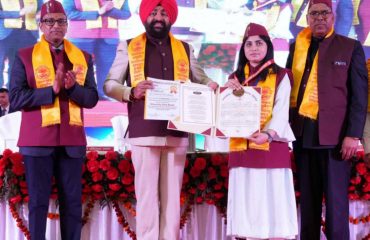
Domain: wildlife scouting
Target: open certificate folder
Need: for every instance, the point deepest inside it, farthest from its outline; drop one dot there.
(222, 114)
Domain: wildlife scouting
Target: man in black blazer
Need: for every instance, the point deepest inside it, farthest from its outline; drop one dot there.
(4, 102)
(328, 111)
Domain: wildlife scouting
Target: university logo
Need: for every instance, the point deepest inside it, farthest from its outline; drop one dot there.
(182, 66)
(43, 75)
(80, 72)
(138, 46)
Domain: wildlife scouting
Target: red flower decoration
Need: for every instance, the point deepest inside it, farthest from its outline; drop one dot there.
(97, 188)
(115, 186)
(18, 169)
(200, 163)
(104, 164)
(127, 179)
(216, 159)
(366, 196)
(16, 199)
(130, 188)
(211, 173)
(16, 158)
(54, 196)
(218, 186)
(92, 166)
(192, 190)
(185, 178)
(366, 188)
(356, 180)
(110, 177)
(219, 195)
(127, 155)
(199, 200)
(7, 153)
(112, 174)
(367, 177)
(23, 184)
(24, 191)
(124, 166)
(97, 176)
(93, 155)
(202, 186)
(361, 168)
(194, 172)
(110, 155)
(224, 171)
(3, 161)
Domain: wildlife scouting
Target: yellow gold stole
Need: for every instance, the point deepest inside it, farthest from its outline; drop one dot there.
(136, 56)
(93, 5)
(267, 102)
(356, 5)
(310, 104)
(43, 68)
(14, 5)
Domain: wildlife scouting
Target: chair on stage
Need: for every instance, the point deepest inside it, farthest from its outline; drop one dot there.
(9, 131)
(120, 124)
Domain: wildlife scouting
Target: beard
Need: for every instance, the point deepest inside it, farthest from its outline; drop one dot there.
(157, 33)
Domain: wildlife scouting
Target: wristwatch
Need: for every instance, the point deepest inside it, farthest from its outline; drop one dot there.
(132, 97)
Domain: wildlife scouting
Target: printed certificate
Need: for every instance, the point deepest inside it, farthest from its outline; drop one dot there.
(163, 101)
(197, 109)
(197, 102)
(238, 115)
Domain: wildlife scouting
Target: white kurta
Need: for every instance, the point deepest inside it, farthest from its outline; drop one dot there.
(261, 201)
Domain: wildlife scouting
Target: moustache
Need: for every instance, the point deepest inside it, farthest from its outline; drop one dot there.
(161, 22)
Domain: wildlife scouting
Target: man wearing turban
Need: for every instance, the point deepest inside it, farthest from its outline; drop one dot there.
(158, 154)
(51, 82)
(328, 111)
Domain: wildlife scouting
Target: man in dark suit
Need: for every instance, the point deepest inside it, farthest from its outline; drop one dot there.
(328, 111)
(4, 102)
(18, 29)
(51, 83)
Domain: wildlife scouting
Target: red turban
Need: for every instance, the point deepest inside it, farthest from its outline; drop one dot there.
(147, 6)
(51, 6)
(254, 29)
(327, 2)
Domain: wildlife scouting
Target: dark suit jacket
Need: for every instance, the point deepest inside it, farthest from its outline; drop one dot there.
(10, 110)
(342, 89)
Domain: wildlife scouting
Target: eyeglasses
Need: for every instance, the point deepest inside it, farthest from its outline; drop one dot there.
(316, 14)
(51, 21)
